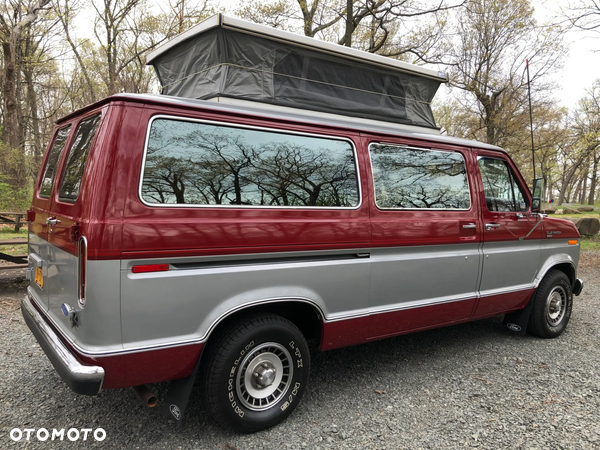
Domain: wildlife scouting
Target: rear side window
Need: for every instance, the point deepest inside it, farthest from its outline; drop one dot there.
(80, 150)
(196, 163)
(410, 178)
(50, 170)
(502, 192)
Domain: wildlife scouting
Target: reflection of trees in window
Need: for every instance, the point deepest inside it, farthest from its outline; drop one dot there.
(52, 164)
(196, 163)
(409, 178)
(502, 193)
(80, 149)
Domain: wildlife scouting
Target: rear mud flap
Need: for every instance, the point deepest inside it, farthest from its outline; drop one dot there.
(178, 396)
(516, 322)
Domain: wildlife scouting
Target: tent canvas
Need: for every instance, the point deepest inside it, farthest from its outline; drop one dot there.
(225, 57)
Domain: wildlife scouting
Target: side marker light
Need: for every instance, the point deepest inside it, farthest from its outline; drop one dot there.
(150, 268)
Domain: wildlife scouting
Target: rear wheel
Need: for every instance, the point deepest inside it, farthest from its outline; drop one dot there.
(256, 372)
(552, 306)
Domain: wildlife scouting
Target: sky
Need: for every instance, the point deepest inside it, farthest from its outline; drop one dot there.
(581, 65)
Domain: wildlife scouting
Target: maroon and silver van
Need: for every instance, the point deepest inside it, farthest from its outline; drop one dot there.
(172, 238)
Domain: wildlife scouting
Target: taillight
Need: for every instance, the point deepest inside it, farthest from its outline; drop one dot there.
(150, 268)
(82, 270)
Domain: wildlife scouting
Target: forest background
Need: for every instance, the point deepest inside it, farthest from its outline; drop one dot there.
(60, 55)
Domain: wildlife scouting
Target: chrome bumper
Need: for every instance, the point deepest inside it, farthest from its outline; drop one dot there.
(80, 378)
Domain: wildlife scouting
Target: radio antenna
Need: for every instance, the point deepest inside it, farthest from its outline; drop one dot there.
(530, 117)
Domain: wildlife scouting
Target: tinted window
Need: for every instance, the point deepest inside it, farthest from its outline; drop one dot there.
(416, 178)
(52, 163)
(80, 149)
(202, 164)
(502, 193)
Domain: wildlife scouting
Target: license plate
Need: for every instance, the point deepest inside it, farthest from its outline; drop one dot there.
(39, 277)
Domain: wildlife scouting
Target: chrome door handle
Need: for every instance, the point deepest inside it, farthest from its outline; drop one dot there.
(469, 226)
(491, 226)
(52, 221)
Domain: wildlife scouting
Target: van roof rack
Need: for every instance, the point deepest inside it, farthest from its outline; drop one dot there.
(228, 57)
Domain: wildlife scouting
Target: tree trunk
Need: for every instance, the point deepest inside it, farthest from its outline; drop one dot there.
(349, 23)
(11, 132)
(32, 103)
(594, 180)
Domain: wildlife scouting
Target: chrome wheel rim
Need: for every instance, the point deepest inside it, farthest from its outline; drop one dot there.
(264, 377)
(556, 305)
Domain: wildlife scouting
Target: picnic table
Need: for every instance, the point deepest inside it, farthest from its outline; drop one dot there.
(18, 261)
(13, 218)
(16, 219)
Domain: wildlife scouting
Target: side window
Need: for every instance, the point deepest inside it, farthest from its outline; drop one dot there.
(409, 178)
(502, 192)
(78, 154)
(204, 164)
(52, 163)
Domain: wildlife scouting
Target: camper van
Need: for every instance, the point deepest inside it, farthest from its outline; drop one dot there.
(282, 193)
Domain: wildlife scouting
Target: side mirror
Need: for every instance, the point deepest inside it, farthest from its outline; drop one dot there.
(536, 203)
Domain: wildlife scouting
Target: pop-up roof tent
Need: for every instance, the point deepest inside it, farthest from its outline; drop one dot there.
(232, 58)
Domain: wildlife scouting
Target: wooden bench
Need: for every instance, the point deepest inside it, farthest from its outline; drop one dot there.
(18, 261)
(13, 218)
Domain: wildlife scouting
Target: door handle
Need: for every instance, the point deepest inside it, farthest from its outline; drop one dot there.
(469, 226)
(52, 221)
(491, 226)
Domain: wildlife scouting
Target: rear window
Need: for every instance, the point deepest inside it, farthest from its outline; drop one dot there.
(52, 163)
(197, 163)
(79, 152)
(412, 178)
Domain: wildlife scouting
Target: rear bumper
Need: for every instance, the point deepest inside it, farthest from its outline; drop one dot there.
(80, 378)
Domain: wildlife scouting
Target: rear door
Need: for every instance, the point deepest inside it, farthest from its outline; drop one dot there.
(67, 212)
(41, 205)
(511, 245)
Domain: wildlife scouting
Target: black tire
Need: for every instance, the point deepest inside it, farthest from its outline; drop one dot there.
(255, 373)
(552, 306)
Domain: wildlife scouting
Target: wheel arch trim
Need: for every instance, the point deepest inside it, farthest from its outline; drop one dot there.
(258, 303)
(561, 259)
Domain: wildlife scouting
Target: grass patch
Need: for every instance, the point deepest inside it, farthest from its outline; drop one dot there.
(590, 243)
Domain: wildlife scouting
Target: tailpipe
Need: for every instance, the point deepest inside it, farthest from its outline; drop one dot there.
(146, 395)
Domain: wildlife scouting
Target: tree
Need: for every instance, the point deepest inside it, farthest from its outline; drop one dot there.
(584, 14)
(494, 38)
(11, 29)
(407, 29)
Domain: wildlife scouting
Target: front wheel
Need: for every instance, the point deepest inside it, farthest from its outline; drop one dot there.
(552, 306)
(256, 372)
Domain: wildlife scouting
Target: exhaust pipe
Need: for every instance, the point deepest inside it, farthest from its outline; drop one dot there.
(146, 395)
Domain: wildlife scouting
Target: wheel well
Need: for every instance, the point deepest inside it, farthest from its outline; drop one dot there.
(306, 317)
(567, 269)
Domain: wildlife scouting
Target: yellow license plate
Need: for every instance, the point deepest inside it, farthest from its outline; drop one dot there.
(39, 277)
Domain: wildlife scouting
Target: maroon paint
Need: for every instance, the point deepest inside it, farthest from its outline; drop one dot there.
(502, 303)
(154, 366)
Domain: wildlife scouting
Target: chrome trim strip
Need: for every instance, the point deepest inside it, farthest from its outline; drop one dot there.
(82, 271)
(500, 291)
(248, 127)
(74, 368)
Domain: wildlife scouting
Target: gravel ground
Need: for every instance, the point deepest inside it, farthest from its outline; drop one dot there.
(469, 385)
